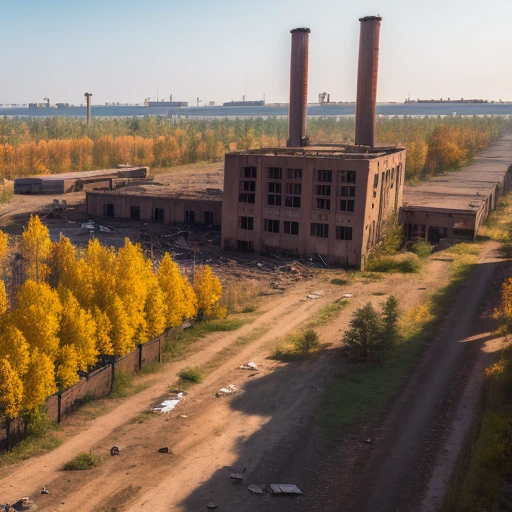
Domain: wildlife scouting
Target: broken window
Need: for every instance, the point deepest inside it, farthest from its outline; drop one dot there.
(245, 197)
(248, 186)
(108, 210)
(274, 200)
(246, 223)
(208, 218)
(295, 174)
(346, 176)
(343, 233)
(323, 190)
(245, 246)
(135, 212)
(323, 204)
(290, 227)
(319, 230)
(190, 217)
(294, 188)
(347, 191)
(347, 205)
(158, 214)
(275, 173)
(271, 225)
(376, 180)
(248, 172)
(325, 176)
(274, 188)
(292, 201)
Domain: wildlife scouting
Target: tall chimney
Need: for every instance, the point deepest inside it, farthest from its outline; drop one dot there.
(367, 80)
(88, 99)
(298, 109)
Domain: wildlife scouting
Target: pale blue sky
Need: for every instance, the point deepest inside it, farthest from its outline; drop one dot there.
(123, 50)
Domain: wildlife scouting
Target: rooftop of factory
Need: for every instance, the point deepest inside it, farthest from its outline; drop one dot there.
(80, 174)
(338, 151)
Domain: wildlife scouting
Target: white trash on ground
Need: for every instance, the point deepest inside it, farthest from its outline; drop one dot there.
(169, 405)
(251, 365)
(228, 390)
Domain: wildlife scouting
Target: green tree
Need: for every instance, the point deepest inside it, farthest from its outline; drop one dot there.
(390, 328)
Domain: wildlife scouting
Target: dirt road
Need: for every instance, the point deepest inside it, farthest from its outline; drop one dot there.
(423, 431)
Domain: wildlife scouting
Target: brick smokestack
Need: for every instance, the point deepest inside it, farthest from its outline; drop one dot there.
(367, 80)
(298, 109)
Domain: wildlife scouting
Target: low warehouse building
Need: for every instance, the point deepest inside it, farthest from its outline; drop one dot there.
(456, 204)
(75, 181)
(158, 204)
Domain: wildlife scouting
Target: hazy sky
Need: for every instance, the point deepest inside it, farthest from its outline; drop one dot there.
(124, 50)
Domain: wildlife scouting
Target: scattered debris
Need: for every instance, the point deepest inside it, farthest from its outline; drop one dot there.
(114, 450)
(347, 296)
(255, 489)
(183, 416)
(212, 505)
(165, 449)
(370, 440)
(228, 390)
(249, 366)
(170, 404)
(284, 489)
(24, 504)
(315, 295)
(238, 476)
(44, 490)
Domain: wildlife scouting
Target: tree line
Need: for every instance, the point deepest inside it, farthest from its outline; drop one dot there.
(61, 307)
(60, 144)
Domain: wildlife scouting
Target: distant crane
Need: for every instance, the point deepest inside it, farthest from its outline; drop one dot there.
(198, 101)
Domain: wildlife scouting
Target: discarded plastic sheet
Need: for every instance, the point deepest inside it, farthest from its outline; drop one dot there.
(255, 488)
(346, 296)
(87, 225)
(285, 489)
(169, 405)
(104, 229)
(313, 296)
(249, 366)
(228, 390)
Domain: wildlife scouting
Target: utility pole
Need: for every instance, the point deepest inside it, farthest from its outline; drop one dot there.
(88, 100)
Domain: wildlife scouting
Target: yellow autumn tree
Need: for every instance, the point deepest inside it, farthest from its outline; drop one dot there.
(101, 261)
(131, 286)
(78, 328)
(38, 315)
(14, 347)
(36, 248)
(38, 382)
(103, 330)
(11, 390)
(63, 262)
(4, 300)
(66, 367)
(4, 248)
(179, 297)
(208, 290)
(154, 308)
(121, 333)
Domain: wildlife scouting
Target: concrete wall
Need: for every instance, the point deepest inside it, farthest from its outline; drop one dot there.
(174, 208)
(371, 204)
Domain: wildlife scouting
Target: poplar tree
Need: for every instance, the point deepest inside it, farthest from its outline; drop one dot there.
(36, 248)
(14, 347)
(208, 290)
(11, 390)
(154, 309)
(66, 372)
(122, 332)
(103, 330)
(38, 383)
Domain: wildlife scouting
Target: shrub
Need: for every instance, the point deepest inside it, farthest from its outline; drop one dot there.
(307, 342)
(389, 264)
(341, 282)
(191, 374)
(421, 248)
(83, 461)
(122, 384)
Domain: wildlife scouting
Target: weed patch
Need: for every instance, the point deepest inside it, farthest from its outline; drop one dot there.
(192, 374)
(327, 313)
(389, 264)
(83, 461)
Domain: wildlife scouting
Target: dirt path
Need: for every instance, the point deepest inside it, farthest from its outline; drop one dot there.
(392, 475)
(260, 427)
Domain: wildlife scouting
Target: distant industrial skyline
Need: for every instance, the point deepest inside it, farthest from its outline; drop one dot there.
(219, 51)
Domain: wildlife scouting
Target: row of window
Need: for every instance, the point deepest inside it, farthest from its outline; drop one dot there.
(292, 228)
(276, 173)
(158, 214)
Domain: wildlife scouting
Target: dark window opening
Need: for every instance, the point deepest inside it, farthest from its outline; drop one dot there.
(294, 188)
(347, 205)
(291, 228)
(248, 186)
(347, 191)
(245, 246)
(246, 198)
(292, 201)
(248, 172)
(135, 212)
(273, 200)
(295, 174)
(190, 217)
(323, 190)
(208, 218)
(375, 180)
(320, 230)
(323, 204)
(275, 173)
(343, 233)
(108, 210)
(271, 226)
(274, 188)
(246, 223)
(325, 176)
(158, 214)
(347, 176)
